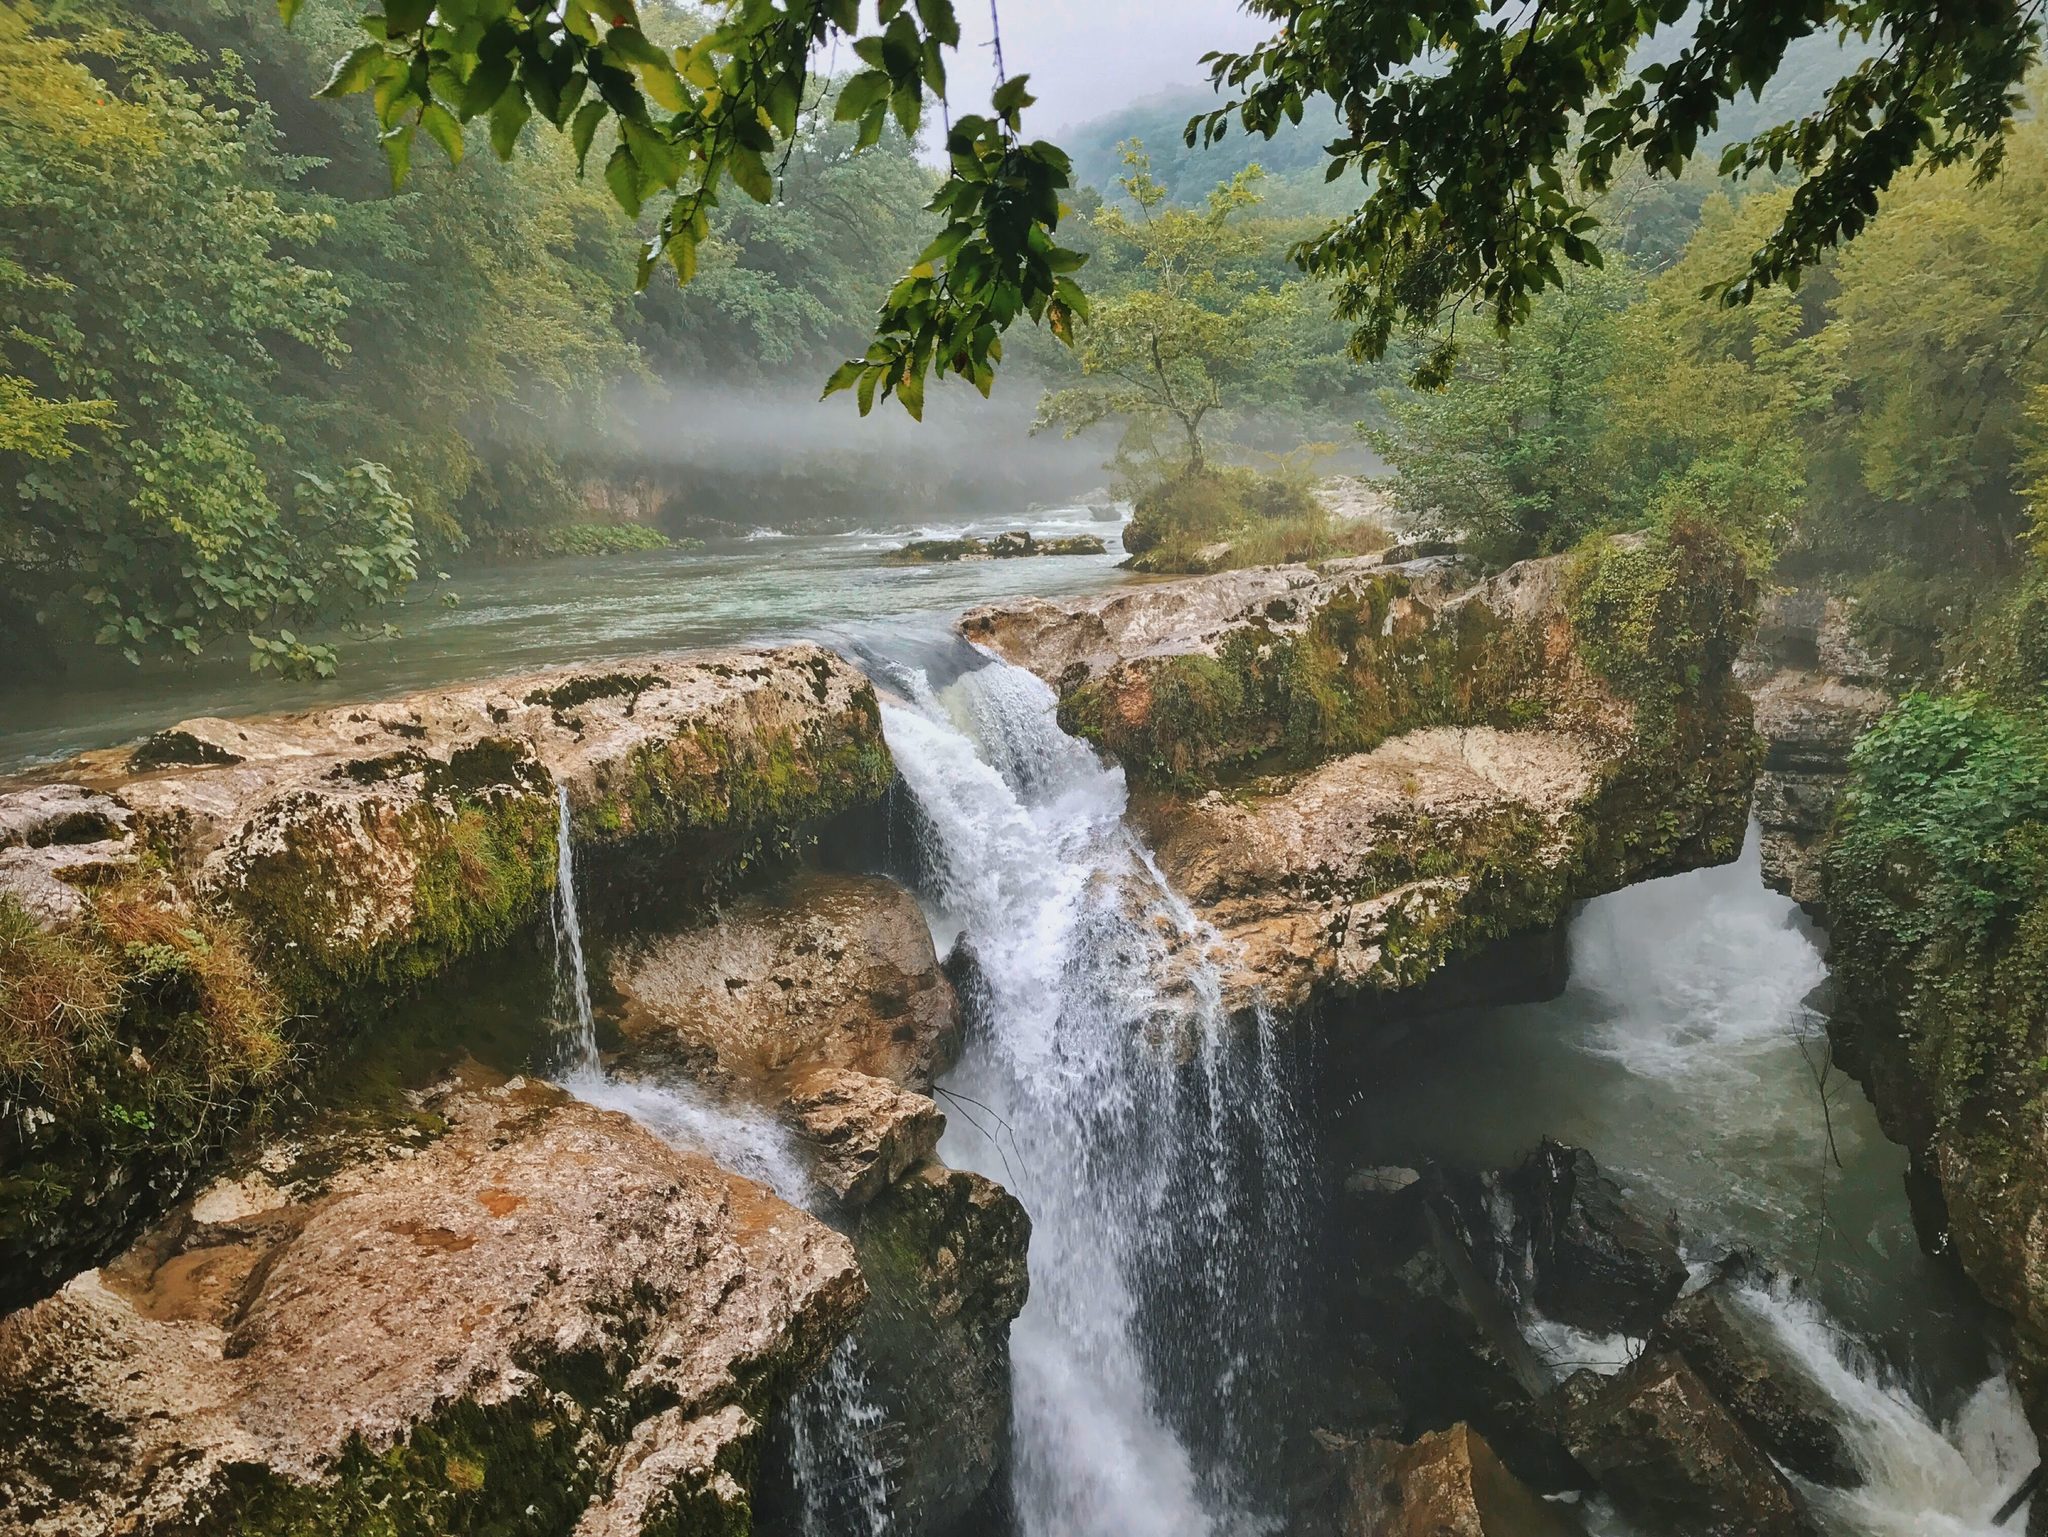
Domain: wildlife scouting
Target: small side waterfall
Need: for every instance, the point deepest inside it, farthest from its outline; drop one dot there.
(572, 975)
(1150, 1136)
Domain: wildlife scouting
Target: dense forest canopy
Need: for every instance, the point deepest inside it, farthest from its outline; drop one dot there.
(1564, 96)
(325, 387)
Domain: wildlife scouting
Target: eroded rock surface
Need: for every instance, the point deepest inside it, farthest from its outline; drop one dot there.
(376, 843)
(831, 971)
(1817, 689)
(534, 1314)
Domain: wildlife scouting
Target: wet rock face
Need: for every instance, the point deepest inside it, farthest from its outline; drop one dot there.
(866, 1132)
(1672, 1457)
(831, 971)
(1817, 689)
(1447, 1484)
(1598, 1263)
(1779, 1408)
(943, 1251)
(532, 1313)
(1461, 1281)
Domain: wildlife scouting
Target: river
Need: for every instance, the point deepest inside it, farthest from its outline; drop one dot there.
(505, 618)
(1177, 1168)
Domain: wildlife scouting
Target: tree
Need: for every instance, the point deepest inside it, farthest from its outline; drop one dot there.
(1185, 331)
(183, 522)
(1550, 93)
(1501, 458)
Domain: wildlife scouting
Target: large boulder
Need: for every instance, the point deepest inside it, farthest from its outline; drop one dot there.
(1783, 1411)
(1595, 1261)
(1446, 1484)
(1359, 770)
(830, 971)
(529, 1314)
(1672, 1457)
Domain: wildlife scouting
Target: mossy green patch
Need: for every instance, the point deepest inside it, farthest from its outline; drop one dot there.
(1273, 701)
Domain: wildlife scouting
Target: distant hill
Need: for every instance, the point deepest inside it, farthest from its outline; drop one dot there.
(1294, 156)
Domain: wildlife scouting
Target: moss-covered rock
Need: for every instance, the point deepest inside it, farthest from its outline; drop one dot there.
(347, 854)
(542, 1316)
(943, 1254)
(1360, 773)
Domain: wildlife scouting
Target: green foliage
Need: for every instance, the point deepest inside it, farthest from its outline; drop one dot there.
(587, 539)
(1441, 226)
(1497, 459)
(1937, 877)
(1227, 517)
(1563, 103)
(1193, 318)
(182, 523)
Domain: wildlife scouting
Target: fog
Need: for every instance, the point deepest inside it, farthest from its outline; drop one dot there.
(703, 456)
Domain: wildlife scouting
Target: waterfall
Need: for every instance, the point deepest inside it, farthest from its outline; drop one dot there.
(572, 976)
(841, 1483)
(1148, 1134)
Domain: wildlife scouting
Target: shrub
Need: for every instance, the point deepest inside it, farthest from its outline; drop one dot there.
(1177, 525)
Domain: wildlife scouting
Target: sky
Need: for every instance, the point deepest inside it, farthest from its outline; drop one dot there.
(1087, 57)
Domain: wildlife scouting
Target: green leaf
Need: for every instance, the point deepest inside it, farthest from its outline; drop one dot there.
(750, 175)
(1011, 97)
(397, 143)
(289, 10)
(508, 117)
(622, 175)
(584, 129)
(441, 127)
(355, 73)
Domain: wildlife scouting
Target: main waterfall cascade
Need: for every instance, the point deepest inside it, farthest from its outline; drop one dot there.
(1150, 1136)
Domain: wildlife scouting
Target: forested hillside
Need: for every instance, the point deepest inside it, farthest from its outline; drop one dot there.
(250, 388)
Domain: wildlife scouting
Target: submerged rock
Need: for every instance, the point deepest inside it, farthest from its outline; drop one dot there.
(1447, 1484)
(1672, 1457)
(1008, 546)
(533, 1314)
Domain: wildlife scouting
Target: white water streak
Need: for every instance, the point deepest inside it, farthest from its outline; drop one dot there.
(1116, 1106)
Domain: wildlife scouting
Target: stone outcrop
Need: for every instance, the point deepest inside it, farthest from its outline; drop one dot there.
(825, 1003)
(242, 887)
(1358, 770)
(1447, 1484)
(374, 844)
(1817, 689)
(531, 1313)
(1668, 1453)
(829, 971)
(943, 1252)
